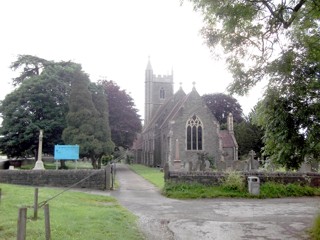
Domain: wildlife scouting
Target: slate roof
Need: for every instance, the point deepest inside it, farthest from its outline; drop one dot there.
(171, 107)
(227, 139)
(167, 110)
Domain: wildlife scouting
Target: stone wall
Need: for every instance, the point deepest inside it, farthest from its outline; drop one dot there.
(56, 178)
(215, 178)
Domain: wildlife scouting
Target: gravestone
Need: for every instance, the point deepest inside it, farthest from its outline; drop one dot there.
(252, 154)
(305, 167)
(177, 161)
(315, 166)
(197, 166)
(240, 165)
(255, 165)
(207, 165)
(269, 165)
(190, 169)
(221, 166)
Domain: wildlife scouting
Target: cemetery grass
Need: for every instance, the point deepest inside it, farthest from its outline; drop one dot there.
(153, 175)
(233, 188)
(73, 215)
(267, 190)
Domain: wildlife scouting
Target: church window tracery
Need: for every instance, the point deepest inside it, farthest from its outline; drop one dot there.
(194, 132)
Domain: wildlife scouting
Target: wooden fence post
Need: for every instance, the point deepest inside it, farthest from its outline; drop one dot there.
(35, 205)
(47, 221)
(108, 171)
(0, 194)
(22, 224)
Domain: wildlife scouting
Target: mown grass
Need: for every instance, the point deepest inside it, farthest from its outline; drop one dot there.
(73, 215)
(153, 175)
(52, 165)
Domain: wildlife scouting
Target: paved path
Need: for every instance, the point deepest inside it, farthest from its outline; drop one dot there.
(163, 218)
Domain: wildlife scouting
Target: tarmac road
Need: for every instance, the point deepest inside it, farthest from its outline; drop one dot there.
(164, 218)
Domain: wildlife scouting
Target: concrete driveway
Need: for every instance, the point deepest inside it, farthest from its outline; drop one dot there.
(163, 218)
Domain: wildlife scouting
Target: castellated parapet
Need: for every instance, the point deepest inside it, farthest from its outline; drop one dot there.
(162, 78)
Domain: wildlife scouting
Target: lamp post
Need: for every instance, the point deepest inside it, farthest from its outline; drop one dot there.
(39, 163)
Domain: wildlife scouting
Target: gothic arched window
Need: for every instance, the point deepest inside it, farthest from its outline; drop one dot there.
(162, 93)
(194, 132)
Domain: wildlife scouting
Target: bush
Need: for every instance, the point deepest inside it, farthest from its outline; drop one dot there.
(315, 230)
(234, 181)
(277, 190)
(105, 159)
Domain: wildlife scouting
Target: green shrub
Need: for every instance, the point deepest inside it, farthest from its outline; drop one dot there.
(277, 190)
(234, 181)
(105, 159)
(315, 230)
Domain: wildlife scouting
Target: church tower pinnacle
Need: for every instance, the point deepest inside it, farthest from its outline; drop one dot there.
(148, 92)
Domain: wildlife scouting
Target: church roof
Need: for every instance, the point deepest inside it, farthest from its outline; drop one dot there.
(167, 109)
(227, 139)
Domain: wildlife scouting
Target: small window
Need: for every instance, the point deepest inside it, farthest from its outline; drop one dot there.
(194, 133)
(162, 93)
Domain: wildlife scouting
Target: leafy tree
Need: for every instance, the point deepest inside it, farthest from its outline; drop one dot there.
(252, 33)
(38, 103)
(124, 119)
(85, 122)
(221, 105)
(291, 126)
(249, 135)
(32, 66)
(278, 41)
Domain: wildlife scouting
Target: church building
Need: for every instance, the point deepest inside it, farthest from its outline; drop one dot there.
(179, 128)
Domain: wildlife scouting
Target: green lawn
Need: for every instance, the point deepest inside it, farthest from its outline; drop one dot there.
(69, 164)
(153, 175)
(73, 215)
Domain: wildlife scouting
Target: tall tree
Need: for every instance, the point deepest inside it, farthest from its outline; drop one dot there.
(221, 105)
(124, 120)
(84, 121)
(278, 41)
(32, 66)
(39, 102)
(102, 129)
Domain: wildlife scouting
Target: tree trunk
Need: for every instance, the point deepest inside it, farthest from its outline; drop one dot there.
(63, 164)
(94, 162)
(99, 163)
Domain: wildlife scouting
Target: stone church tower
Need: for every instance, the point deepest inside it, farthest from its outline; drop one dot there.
(158, 88)
(179, 128)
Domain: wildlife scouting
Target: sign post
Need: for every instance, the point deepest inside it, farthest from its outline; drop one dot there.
(66, 152)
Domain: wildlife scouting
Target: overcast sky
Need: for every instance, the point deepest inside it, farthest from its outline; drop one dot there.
(113, 39)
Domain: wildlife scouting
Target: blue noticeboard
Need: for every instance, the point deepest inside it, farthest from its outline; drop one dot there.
(68, 152)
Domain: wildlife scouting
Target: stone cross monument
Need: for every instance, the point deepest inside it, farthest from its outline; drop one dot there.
(39, 163)
(252, 154)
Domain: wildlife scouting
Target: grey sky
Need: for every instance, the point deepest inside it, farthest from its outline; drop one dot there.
(113, 39)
